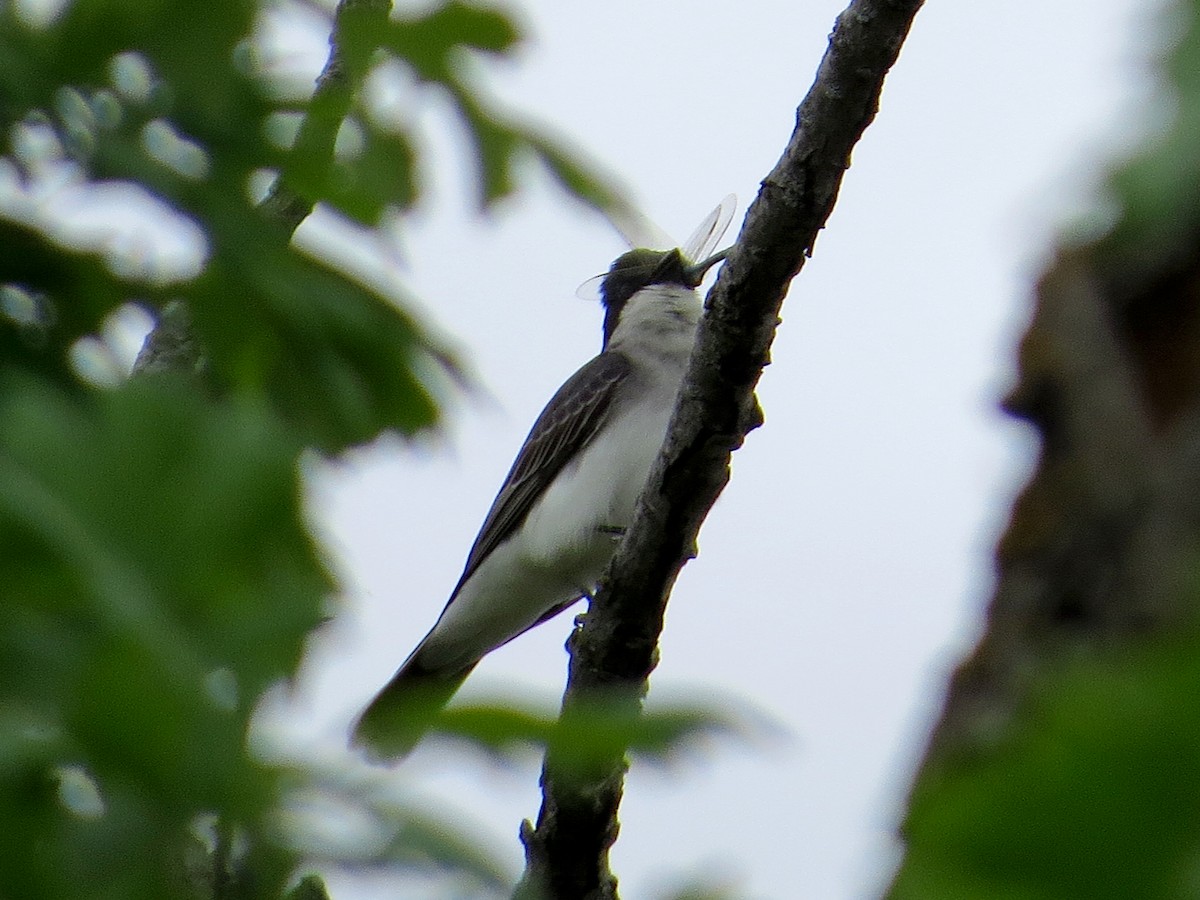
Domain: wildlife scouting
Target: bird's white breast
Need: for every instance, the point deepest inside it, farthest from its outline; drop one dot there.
(567, 538)
(573, 521)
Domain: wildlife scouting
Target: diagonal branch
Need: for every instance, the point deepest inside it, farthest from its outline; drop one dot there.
(350, 47)
(613, 654)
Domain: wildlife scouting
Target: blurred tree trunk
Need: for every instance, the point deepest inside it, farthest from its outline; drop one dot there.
(1066, 755)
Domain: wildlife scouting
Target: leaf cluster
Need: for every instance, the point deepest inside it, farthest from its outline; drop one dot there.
(157, 572)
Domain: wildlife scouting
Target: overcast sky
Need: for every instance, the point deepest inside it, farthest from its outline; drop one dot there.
(847, 565)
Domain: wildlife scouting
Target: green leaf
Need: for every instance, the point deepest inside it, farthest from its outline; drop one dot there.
(496, 146)
(431, 43)
(500, 144)
(311, 887)
(380, 177)
(1091, 794)
(158, 578)
(183, 40)
(50, 296)
(435, 843)
(570, 168)
(1154, 192)
(597, 732)
(338, 361)
(394, 833)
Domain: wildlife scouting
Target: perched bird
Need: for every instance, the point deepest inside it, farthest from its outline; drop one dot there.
(571, 492)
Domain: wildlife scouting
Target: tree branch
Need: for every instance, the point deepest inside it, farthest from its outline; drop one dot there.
(614, 652)
(171, 345)
(350, 49)
(175, 348)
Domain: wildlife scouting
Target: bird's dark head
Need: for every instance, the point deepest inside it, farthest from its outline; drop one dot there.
(638, 269)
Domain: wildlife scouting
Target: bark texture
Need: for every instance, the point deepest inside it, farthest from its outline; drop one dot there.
(1100, 549)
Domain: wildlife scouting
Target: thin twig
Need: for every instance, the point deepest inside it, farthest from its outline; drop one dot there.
(171, 345)
(349, 55)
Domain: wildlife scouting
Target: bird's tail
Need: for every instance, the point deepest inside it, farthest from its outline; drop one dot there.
(396, 720)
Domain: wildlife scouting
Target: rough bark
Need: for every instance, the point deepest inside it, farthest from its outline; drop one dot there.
(1099, 551)
(614, 652)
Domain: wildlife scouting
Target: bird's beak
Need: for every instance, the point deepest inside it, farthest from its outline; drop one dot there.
(696, 272)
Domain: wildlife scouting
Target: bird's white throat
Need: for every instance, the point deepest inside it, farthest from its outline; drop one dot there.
(658, 324)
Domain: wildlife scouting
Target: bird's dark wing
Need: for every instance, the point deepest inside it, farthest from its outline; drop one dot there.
(568, 423)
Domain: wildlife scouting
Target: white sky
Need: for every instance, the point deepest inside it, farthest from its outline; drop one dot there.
(848, 563)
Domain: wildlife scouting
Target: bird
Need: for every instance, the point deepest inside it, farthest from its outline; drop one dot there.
(571, 492)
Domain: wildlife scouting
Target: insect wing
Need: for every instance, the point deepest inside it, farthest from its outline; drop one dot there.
(590, 289)
(638, 229)
(709, 232)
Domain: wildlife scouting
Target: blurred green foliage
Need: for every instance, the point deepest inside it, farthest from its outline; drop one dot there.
(157, 572)
(156, 578)
(156, 568)
(1154, 193)
(1092, 794)
(167, 97)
